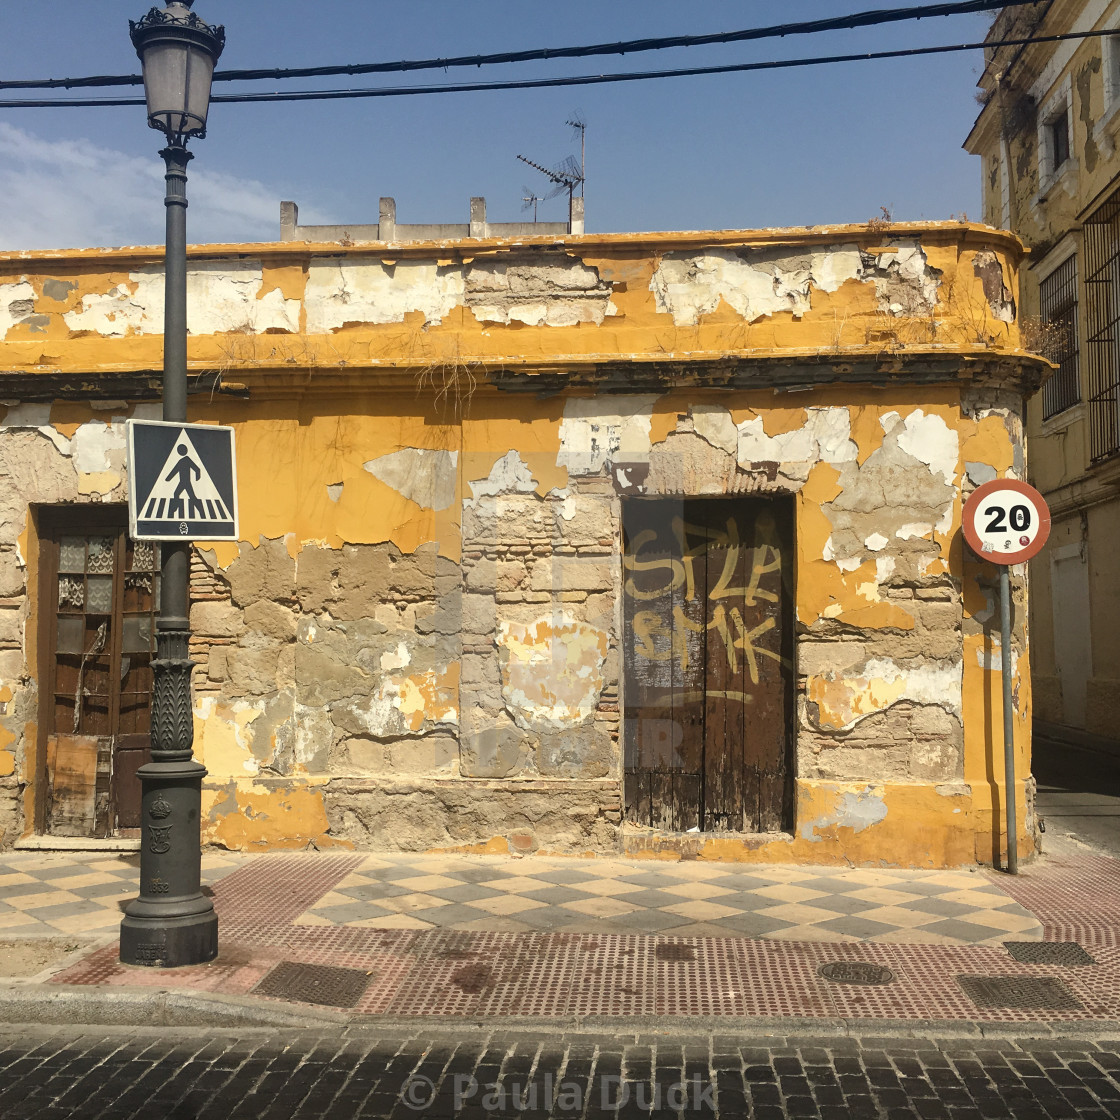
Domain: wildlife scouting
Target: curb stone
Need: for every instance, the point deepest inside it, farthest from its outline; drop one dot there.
(63, 1005)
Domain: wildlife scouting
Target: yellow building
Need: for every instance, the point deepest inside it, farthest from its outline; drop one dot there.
(575, 543)
(1048, 133)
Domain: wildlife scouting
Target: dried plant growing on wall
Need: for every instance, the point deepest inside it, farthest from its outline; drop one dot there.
(1040, 336)
(243, 347)
(237, 347)
(883, 222)
(452, 380)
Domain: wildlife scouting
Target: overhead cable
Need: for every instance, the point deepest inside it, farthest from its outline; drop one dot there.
(631, 46)
(543, 83)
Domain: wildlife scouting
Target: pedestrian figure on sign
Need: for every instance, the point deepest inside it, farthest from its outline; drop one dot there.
(185, 468)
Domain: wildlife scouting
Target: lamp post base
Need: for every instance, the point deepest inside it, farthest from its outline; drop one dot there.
(162, 942)
(172, 923)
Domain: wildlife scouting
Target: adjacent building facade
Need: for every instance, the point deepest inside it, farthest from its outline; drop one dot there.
(1048, 134)
(636, 543)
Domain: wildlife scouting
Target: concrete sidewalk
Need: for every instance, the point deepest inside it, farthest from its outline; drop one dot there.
(321, 938)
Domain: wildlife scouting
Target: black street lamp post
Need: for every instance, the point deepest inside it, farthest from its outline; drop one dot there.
(172, 923)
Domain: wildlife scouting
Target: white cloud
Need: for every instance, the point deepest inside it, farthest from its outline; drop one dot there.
(61, 194)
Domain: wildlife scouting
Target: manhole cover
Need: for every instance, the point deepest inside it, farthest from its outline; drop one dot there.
(315, 983)
(856, 972)
(1035, 993)
(1048, 952)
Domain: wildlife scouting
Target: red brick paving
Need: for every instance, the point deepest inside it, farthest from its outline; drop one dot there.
(1074, 892)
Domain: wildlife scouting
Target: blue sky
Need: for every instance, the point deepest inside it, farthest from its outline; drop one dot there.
(795, 147)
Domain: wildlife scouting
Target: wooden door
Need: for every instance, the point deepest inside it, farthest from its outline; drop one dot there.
(707, 652)
(99, 602)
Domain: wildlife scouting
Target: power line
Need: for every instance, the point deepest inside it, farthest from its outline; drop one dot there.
(631, 46)
(577, 80)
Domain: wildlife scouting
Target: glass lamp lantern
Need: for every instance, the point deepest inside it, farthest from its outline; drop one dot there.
(177, 54)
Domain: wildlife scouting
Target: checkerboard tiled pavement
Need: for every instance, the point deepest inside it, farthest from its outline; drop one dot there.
(468, 936)
(44, 894)
(688, 899)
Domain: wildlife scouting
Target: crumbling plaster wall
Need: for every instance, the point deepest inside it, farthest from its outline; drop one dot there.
(296, 307)
(363, 670)
(416, 642)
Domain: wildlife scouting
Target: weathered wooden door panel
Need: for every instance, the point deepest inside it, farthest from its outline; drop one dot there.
(768, 669)
(100, 598)
(664, 739)
(726, 693)
(129, 754)
(708, 663)
(72, 794)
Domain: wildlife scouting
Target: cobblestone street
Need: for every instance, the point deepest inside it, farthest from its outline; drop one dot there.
(473, 1072)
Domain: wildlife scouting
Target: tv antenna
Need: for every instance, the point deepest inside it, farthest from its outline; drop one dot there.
(564, 177)
(530, 198)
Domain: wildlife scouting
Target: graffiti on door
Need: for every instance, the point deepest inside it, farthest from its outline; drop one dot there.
(708, 661)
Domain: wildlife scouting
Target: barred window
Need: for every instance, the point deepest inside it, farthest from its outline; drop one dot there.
(1058, 298)
(1101, 234)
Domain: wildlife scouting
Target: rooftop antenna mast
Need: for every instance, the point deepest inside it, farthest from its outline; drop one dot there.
(577, 124)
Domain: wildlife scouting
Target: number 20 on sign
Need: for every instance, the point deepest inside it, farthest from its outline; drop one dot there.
(1006, 521)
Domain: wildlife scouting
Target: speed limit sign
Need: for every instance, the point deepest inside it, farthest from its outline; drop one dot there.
(1006, 521)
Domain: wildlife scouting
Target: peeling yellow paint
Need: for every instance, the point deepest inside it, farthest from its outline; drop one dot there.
(919, 827)
(552, 668)
(843, 698)
(290, 279)
(305, 454)
(846, 321)
(828, 592)
(987, 441)
(99, 482)
(259, 818)
(429, 697)
(842, 702)
(221, 738)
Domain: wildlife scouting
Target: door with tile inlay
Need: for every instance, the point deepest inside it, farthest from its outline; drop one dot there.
(708, 663)
(99, 599)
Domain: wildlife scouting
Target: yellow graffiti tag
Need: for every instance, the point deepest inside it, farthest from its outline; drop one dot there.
(633, 564)
(679, 698)
(742, 638)
(657, 641)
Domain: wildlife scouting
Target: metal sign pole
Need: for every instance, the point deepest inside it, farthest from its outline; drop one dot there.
(1008, 719)
(1007, 522)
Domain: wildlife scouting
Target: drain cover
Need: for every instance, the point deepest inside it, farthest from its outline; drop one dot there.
(856, 972)
(1048, 952)
(315, 983)
(1035, 993)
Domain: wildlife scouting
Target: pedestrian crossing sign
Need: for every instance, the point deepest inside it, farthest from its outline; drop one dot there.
(182, 482)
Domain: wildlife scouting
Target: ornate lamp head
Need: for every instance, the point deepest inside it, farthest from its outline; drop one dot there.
(177, 53)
